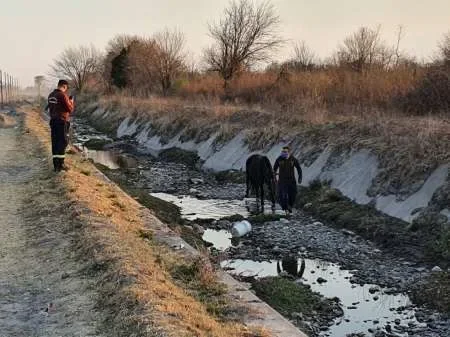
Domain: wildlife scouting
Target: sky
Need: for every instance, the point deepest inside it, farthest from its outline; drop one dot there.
(36, 31)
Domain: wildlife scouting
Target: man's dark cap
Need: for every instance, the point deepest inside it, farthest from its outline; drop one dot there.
(62, 82)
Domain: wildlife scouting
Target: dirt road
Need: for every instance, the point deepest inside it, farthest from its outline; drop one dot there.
(43, 289)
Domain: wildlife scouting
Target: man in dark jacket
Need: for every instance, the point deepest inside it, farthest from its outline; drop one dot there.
(287, 184)
(60, 107)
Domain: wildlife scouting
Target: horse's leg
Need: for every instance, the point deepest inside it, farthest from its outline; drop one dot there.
(262, 196)
(302, 269)
(272, 194)
(247, 180)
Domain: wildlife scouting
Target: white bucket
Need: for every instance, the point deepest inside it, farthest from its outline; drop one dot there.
(240, 228)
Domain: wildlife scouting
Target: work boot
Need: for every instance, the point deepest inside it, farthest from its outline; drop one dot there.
(55, 164)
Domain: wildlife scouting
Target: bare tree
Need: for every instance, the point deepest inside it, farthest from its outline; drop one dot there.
(398, 55)
(303, 57)
(77, 64)
(170, 58)
(246, 35)
(444, 49)
(364, 49)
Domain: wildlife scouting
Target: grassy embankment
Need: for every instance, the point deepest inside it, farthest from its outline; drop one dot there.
(144, 286)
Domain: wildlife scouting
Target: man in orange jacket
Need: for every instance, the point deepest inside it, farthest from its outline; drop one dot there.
(60, 107)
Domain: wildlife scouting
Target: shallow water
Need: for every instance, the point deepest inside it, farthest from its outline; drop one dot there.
(193, 208)
(363, 310)
(105, 158)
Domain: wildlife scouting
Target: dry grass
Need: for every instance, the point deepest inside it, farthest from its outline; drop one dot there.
(138, 286)
(409, 147)
(327, 88)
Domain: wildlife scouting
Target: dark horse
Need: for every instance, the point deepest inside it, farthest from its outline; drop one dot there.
(259, 172)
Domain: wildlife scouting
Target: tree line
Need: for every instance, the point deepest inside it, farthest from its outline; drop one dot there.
(245, 37)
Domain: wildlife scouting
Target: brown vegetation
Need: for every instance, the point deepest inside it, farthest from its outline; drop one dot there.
(364, 74)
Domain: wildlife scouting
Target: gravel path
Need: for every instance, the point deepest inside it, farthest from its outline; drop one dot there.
(42, 288)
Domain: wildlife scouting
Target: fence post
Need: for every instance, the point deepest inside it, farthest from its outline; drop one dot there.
(1, 88)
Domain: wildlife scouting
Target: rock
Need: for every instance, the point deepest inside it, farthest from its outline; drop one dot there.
(225, 224)
(397, 321)
(376, 298)
(348, 232)
(352, 307)
(308, 205)
(285, 221)
(379, 334)
(321, 280)
(189, 227)
(374, 290)
(127, 162)
(436, 269)
(317, 223)
(193, 191)
(199, 229)
(196, 181)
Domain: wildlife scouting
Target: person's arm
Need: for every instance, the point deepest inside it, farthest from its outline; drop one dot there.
(276, 165)
(68, 103)
(299, 170)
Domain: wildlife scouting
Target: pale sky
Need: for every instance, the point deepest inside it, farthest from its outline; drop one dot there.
(34, 32)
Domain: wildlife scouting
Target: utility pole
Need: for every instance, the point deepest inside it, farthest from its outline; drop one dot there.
(1, 89)
(38, 80)
(5, 76)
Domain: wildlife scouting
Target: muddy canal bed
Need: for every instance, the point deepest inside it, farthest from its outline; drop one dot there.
(372, 285)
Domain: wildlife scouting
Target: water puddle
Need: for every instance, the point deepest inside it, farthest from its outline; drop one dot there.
(108, 159)
(193, 208)
(221, 238)
(365, 307)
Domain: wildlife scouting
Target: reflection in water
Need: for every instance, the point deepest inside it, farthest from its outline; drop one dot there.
(105, 158)
(289, 264)
(362, 310)
(193, 208)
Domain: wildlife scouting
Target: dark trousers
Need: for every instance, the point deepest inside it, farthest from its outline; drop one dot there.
(60, 139)
(287, 193)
